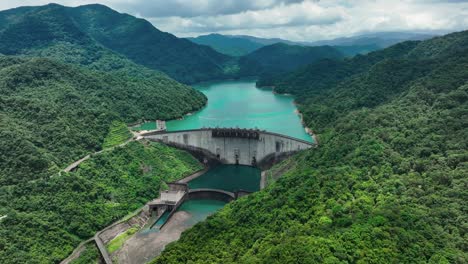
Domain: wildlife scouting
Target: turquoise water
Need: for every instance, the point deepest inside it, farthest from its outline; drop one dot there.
(200, 209)
(229, 178)
(161, 220)
(241, 104)
(236, 104)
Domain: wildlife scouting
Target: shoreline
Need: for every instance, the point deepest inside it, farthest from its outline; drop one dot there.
(307, 129)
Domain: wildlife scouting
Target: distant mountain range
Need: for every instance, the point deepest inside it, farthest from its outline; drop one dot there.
(100, 38)
(239, 45)
(279, 58)
(230, 45)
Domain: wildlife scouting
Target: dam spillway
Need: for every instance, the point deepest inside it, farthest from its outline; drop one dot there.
(233, 145)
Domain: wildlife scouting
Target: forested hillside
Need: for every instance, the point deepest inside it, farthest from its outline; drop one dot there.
(229, 45)
(47, 218)
(52, 114)
(272, 60)
(101, 38)
(326, 73)
(388, 182)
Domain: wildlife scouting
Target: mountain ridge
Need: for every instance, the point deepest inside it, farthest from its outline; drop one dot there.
(350, 46)
(99, 28)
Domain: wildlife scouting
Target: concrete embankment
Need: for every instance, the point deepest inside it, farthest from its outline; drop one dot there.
(140, 218)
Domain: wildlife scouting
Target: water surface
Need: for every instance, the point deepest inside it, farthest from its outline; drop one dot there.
(241, 104)
(229, 178)
(199, 210)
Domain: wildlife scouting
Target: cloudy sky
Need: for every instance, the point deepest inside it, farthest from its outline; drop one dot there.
(304, 20)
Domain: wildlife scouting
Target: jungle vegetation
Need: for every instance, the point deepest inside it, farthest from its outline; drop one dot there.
(48, 217)
(101, 38)
(54, 113)
(63, 96)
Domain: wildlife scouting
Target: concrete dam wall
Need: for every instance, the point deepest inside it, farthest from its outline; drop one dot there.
(233, 146)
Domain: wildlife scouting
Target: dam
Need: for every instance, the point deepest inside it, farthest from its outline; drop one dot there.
(251, 147)
(234, 159)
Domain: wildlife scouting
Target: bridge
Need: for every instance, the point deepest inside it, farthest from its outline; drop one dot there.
(233, 145)
(170, 200)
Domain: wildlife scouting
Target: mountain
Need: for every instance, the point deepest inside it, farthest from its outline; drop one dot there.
(279, 58)
(61, 112)
(229, 45)
(52, 114)
(266, 41)
(360, 44)
(99, 37)
(329, 72)
(387, 183)
(378, 39)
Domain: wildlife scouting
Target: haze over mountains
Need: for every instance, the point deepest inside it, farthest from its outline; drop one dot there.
(238, 45)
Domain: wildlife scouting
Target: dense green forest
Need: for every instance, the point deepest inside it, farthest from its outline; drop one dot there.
(101, 38)
(388, 182)
(229, 45)
(53, 114)
(90, 255)
(47, 218)
(280, 58)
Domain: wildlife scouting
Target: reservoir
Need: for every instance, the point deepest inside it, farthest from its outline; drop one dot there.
(241, 104)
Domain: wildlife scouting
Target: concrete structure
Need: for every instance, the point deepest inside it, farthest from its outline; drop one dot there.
(211, 194)
(231, 145)
(169, 200)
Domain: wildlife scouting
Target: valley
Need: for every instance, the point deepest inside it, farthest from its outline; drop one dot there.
(122, 143)
(266, 110)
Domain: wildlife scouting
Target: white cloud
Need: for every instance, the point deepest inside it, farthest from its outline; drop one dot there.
(292, 15)
(291, 19)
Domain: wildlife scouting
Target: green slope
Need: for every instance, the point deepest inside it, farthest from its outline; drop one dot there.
(54, 113)
(229, 45)
(387, 184)
(47, 218)
(280, 58)
(101, 38)
(118, 133)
